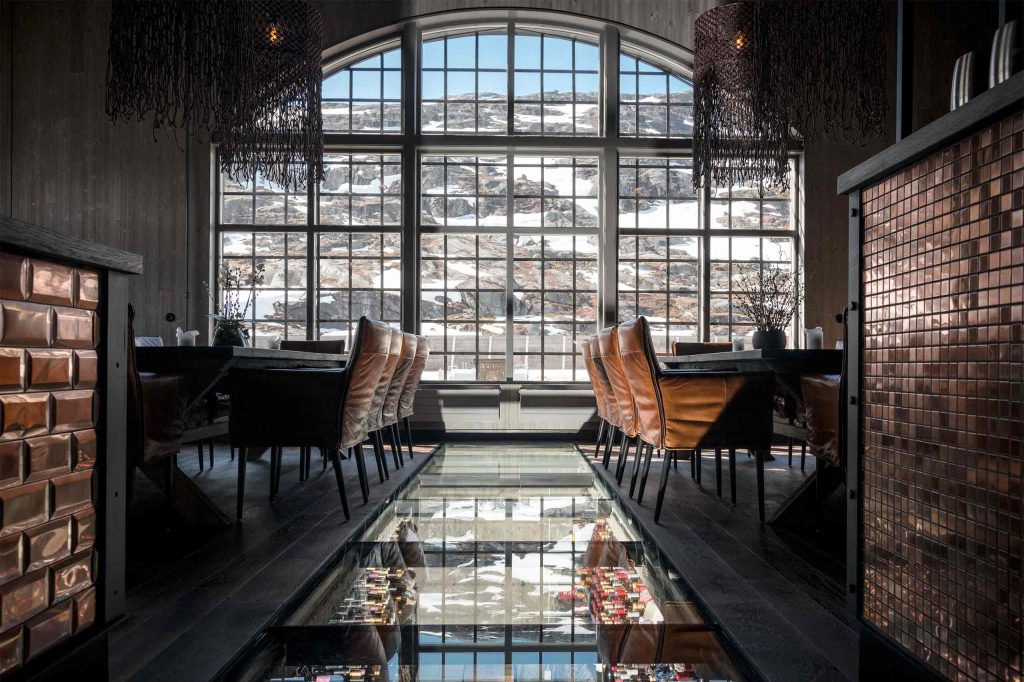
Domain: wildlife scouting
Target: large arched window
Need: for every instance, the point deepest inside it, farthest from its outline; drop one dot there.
(506, 185)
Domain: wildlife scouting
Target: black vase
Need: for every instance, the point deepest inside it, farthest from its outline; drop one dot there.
(770, 339)
(227, 335)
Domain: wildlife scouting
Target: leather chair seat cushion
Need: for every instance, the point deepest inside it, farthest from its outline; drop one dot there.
(821, 409)
(717, 410)
(163, 413)
(608, 345)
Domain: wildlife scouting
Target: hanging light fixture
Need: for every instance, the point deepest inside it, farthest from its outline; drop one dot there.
(766, 70)
(246, 73)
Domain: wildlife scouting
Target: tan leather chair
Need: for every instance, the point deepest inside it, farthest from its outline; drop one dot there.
(336, 347)
(324, 408)
(389, 424)
(611, 407)
(688, 410)
(407, 403)
(608, 344)
(595, 384)
(699, 347)
(376, 419)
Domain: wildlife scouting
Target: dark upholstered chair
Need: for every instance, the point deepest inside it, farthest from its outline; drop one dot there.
(595, 382)
(389, 413)
(375, 420)
(323, 408)
(607, 395)
(407, 401)
(321, 346)
(693, 409)
(700, 348)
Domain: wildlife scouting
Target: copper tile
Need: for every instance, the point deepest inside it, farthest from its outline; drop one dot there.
(11, 650)
(12, 463)
(85, 529)
(74, 410)
(74, 328)
(47, 629)
(12, 557)
(47, 456)
(72, 492)
(23, 598)
(26, 324)
(88, 289)
(87, 368)
(51, 283)
(48, 543)
(49, 369)
(85, 609)
(24, 415)
(12, 370)
(24, 506)
(13, 277)
(83, 448)
(72, 576)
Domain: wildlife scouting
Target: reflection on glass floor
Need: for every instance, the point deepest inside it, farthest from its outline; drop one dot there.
(499, 563)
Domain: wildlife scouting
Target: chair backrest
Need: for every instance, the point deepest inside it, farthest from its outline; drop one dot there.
(821, 410)
(608, 342)
(595, 382)
(136, 436)
(364, 368)
(394, 355)
(636, 351)
(611, 406)
(407, 402)
(394, 394)
(699, 348)
(336, 347)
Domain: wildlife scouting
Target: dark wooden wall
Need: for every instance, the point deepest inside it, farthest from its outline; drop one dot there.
(65, 166)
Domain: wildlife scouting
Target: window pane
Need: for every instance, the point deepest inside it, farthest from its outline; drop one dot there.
(365, 97)
(653, 102)
(569, 74)
(465, 86)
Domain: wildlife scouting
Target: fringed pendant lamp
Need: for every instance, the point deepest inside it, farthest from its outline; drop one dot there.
(766, 70)
(246, 72)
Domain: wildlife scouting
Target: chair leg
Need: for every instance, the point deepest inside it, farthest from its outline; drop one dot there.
(732, 474)
(200, 446)
(647, 470)
(408, 436)
(383, 455)
(232, 453)
(396, 452)
(241, 483)
(275, 471)
(718, 471)
(378, 456)
(210, 444)
(661, 490)
(759, 456)
(396, 442)
(637, 461)
(693, 465)
(600, 437)
(675, 459)
(790, 451)
(364, 484)
(620, 467)
(700, 461)
(339, 476)
(608, 443)
(803, 455)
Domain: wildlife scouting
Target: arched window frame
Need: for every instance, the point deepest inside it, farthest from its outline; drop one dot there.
(411, 144)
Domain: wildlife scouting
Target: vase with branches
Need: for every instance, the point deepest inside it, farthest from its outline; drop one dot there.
(770, 295)
(230, 314)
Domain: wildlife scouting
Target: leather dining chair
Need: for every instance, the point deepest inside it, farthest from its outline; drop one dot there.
(376, 417)
(611, 407)
(389, 419)
(692, 409)
(326, 408)
(608, 345)
(700, 347)
(336, 347)
(599, 398)
(407, 401)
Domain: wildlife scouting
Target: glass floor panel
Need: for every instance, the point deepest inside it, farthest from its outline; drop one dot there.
(497, 563)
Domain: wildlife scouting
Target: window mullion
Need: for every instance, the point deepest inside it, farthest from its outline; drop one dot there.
(510, 268)
(705, 262)
(312, 276)
(609, 170)
(409, 296)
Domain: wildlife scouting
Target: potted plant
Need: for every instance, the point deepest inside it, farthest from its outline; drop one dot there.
(770, 296)
(230, 315)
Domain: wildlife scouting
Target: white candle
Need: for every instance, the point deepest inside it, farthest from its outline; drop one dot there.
(813, 338)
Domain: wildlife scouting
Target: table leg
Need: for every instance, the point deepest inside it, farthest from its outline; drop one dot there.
(186, 498)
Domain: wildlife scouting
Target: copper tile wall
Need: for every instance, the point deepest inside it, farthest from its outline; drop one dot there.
(943, 405)
(48, 412)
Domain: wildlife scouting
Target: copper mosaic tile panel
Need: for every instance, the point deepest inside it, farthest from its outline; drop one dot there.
(49, 370)
(943, 405)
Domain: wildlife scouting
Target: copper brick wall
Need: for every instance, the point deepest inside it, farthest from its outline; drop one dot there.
(49, 333)
(943, 405)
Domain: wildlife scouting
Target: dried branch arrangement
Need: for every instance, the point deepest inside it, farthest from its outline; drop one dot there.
(770, 295)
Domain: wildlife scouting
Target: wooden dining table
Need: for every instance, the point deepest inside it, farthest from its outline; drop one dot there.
(207, 371)
(788, 365)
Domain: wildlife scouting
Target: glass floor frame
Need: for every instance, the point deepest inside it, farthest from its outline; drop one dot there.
(496, 561)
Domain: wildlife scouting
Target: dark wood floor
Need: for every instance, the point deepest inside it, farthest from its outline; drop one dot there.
(778, 593)
(195, 598)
